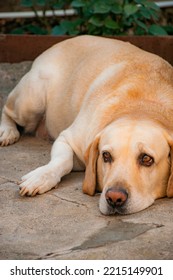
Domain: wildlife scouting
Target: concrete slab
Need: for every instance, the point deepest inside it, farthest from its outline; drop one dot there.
(65, 223)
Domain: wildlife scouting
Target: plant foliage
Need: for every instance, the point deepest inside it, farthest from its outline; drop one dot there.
(97, 17)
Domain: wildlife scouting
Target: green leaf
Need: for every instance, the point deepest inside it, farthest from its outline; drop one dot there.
(152, 6)
(78, 3)
(60, 4)
(67, 27)
(116, 9)
(19, 31)
(58, 30)
(31, 3)
(40, 2)
(141, 24)
(130, 9)
(66, 24)
(141, 1)
(139, 31)
(169, 29)
(93, 30)
(71, 26)
(26, 3)
(101, 8)
(95, 20)
(34, 29)
(157, 30)
(111, 24)
(145, 13)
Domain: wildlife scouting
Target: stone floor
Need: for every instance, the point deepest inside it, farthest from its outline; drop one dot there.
(65, 223)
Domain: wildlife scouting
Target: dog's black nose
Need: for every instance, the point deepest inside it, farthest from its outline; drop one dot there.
(116, 197)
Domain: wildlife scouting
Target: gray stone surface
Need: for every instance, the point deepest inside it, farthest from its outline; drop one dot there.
(65, 223)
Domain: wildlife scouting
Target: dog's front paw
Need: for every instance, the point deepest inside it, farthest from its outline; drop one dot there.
(38, 181)
(8, 135)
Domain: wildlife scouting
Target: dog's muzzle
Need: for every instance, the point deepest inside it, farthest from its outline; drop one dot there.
(116, 198)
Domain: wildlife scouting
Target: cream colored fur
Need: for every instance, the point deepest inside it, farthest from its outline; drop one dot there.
(98, 94)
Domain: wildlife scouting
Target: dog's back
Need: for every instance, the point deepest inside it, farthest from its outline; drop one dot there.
(85, 74)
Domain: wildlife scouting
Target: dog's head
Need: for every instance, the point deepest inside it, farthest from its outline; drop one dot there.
(129, 161)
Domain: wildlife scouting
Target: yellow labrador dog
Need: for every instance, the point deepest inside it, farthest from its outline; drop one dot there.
(109, 105)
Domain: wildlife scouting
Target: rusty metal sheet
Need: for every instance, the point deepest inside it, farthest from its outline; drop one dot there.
(14, 48)
(17, 48)
(161, 45)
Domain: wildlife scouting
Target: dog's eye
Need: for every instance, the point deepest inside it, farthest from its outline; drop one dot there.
(146, 160)
(107, 157)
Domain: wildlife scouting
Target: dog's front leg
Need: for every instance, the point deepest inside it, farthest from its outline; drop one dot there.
(8, 130)
(48, 176)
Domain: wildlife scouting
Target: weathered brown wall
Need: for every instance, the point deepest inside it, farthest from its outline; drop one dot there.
(14, 48)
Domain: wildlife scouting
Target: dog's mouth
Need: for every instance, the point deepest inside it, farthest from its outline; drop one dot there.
(129, 207)
(109, 210)
(117, 211)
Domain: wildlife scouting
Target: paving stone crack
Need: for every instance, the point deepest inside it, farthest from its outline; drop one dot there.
(52, 255)
(9, 180)
(68, 200)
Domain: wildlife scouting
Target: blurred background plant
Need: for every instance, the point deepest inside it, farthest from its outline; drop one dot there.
(97, 17)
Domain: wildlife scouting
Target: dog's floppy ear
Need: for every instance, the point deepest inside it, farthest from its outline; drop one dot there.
(91, 155)
(170, 181)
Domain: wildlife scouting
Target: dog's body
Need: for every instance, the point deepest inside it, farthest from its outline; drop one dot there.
(109, 105)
